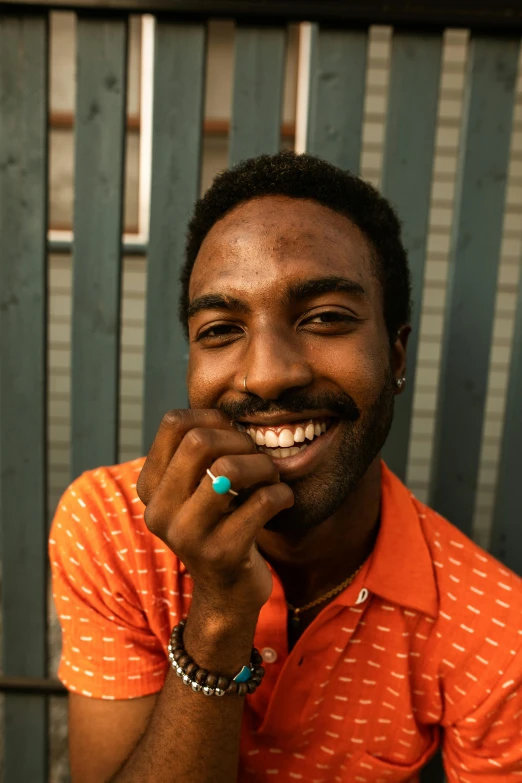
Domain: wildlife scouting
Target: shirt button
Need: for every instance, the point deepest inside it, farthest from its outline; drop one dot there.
(363, 596)
(268, 655)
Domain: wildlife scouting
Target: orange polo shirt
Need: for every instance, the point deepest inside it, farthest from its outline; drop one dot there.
(426, 642)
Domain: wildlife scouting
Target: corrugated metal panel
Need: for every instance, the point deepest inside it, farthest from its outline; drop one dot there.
(454, 60)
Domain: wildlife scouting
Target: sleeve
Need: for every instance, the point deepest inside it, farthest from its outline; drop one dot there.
(108, 648)
(485, 746)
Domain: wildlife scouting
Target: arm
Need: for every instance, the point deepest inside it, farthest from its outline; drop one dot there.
(178, 735)
(191, 736)
(185, 735)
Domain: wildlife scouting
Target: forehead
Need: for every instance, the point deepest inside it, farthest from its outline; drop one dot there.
(271, 239)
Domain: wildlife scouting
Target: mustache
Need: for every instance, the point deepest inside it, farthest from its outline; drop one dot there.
(293, 402)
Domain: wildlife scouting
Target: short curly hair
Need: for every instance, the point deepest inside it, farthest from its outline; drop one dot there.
(309, 177)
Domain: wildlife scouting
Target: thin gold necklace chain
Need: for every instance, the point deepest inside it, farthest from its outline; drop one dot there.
(325, 597)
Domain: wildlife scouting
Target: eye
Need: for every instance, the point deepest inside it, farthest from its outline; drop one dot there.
(331, 319)
(218, 333)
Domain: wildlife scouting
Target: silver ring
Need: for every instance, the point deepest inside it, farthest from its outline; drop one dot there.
(221, 480)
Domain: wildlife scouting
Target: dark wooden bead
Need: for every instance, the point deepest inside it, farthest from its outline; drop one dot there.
(178, 654)
(222, 683)
(259, 671)
(233, 687)
(243, 689)
(212, 679)
(255, 679)
(251, 685)
(184, 660)
(191, 669)
(256, 657)
(201, 676)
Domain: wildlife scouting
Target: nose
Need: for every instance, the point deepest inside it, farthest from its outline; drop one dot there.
(274, 365)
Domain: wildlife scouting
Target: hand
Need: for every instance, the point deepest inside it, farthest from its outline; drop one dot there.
(213, 535)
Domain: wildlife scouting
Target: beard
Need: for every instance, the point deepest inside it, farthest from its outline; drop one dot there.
(357, 442)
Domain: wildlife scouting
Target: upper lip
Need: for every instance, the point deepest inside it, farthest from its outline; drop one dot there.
(287, 418)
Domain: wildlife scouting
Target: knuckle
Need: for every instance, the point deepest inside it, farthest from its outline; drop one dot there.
(151, 519)
(173, 418)
(226, 466)
(265, 498)
(198, 438)
(141, 487)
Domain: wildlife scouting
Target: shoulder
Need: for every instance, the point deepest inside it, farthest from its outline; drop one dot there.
(464, 571)
(476, 640)
(100, 513)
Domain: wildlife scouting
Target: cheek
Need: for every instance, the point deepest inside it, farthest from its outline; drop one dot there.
(207, 378)
(359, 365)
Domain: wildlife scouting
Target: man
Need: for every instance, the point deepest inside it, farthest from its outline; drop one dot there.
(265, 518)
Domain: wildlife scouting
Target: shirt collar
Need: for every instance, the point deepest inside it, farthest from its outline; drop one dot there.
(400, 568)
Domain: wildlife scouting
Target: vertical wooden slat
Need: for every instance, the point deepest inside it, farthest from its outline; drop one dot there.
(337, 88)
(179, 73)
(258, 92)
(99, 160)
(23, 318)
(406, 182)
(474, 259)
(506, 540)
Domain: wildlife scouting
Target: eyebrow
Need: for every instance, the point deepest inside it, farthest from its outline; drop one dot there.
(296, 292)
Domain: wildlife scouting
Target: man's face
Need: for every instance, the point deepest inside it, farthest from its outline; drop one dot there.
(284, 293)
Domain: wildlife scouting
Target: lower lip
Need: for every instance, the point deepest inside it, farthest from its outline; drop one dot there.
(308, 459)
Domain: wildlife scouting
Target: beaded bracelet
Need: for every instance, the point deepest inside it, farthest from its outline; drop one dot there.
(211, 683)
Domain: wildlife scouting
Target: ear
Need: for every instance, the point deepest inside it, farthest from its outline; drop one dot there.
(398, 354)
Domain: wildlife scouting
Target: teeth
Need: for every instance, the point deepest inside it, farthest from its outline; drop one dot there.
(299, 435)
(285, 452)
(286, 438)
(276, 453)
(310, 431)
(294, 450)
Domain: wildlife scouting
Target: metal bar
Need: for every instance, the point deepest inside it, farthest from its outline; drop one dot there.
(474, 259)
(406, 182)
(179, 75)
(258, 92)
(32, 685)
(337, 88)
(99, 159)
(503, 15)
(23, 385)
(127, 248)
(506, 538)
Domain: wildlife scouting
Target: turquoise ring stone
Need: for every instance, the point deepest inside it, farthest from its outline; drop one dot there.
(221, 484)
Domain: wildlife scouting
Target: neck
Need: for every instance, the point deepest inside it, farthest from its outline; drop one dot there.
(328, 554)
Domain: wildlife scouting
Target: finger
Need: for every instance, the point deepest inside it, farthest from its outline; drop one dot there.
(206, 506)
(238, 531)
(173, 428)
(197, 517)
(199, 449)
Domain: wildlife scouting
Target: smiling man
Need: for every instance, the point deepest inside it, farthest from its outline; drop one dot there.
(261, 599)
